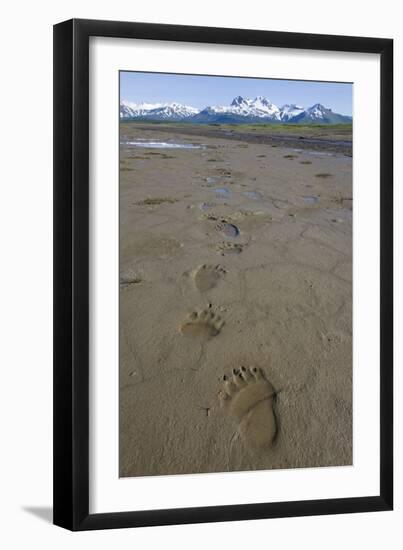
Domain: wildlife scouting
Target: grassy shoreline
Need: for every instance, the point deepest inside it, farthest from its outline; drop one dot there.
(334, 138)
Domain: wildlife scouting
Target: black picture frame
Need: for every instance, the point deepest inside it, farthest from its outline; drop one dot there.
(71, 274)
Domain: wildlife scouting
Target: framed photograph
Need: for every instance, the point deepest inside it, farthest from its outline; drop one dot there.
(223, 274)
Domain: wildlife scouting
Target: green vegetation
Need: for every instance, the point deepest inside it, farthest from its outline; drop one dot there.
(290, 128)
(276, 126)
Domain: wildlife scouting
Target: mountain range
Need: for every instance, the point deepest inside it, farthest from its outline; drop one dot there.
(241, 110)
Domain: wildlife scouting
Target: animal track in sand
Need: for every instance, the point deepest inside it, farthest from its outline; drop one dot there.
(210, 216)
(229, 229)
(232, 224)
(203, 324)
(248, 396)
(229, 248)
(207, 276)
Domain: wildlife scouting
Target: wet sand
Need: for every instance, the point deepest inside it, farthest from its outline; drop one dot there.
(235, 262)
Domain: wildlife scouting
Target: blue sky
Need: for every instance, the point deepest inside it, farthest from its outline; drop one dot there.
(200, 91)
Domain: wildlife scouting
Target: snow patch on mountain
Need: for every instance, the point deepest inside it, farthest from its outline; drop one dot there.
(317, 111)
(288, 112)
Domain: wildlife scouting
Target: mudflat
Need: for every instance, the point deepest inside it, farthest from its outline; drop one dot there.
(235, 300)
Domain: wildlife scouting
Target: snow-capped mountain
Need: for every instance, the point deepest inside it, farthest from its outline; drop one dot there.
(156, 111)
(259, 107)
(135, 110)
(318, 114)
(288, 112)
(240, 110)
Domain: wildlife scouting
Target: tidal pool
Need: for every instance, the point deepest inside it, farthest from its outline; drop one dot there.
(162, 145)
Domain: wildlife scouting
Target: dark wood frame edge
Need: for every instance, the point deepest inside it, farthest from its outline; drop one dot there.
(71, 275)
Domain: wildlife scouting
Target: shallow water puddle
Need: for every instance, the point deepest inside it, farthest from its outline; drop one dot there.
(223, 191)
(310, 199)
(342, 215)
(253, 195)
(319, 153)
(162, 145)
(213, 179)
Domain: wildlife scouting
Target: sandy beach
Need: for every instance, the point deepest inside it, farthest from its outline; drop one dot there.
(235, 301)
